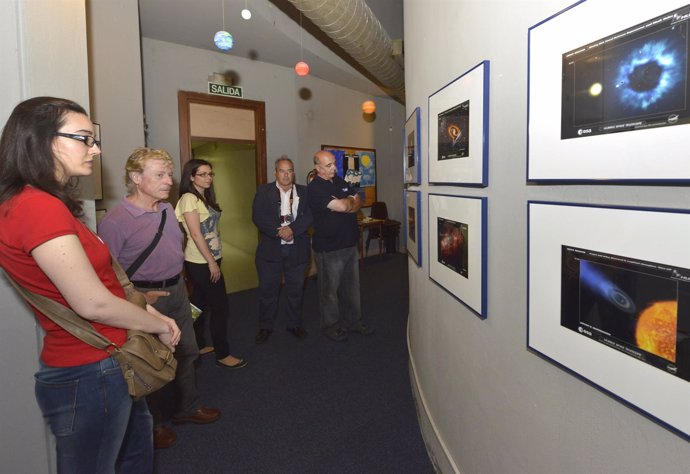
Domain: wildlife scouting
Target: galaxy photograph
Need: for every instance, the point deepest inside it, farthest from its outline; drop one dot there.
(412, 223)
(631, 80)
(454, 132)
(452, 245)
(636, 307)
(410, 149)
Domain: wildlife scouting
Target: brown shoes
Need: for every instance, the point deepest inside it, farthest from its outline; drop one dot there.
(298, 332)
(201, 416)
(163, 437)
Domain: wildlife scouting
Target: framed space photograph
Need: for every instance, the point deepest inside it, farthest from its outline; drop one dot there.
(412, 164)
(457, 248)
(413, 225)
(611, 305)
(610, 101)
(459, 130)
(357, 166)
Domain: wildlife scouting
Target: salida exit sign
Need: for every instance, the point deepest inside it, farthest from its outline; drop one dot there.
(224, 89)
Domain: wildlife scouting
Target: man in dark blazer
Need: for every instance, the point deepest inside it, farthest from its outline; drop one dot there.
(281, 212)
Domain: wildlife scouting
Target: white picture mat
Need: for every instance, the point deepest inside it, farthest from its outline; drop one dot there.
(412, 199)
(412, 174)
(617, 232)
(655, 153)
(469, 169)
(467, 211)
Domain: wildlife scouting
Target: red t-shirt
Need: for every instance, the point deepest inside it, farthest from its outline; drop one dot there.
(28, 220)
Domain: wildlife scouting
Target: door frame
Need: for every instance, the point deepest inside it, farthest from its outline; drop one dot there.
(185, 98)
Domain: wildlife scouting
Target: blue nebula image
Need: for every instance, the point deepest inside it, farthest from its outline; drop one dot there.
(601, 286)
(647, 74)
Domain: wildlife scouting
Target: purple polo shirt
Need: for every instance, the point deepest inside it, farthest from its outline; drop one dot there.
(128, 230)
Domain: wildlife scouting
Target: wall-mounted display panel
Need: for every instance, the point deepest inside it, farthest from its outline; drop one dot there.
(459, 130)
(612, 305)
(413, 225)
(457, 248)
(610, 101)
(412, 163)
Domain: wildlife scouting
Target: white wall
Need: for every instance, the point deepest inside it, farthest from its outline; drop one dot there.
(487, 404)
(43, 53)
(117, 102)
(294, 126)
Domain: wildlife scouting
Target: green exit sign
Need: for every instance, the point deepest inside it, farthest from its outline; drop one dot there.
(224, 89)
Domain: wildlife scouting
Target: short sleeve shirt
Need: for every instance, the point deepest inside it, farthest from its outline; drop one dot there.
(332, 230)
(208, 219)
(32, 218)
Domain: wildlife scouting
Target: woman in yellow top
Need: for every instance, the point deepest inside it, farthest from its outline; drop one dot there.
(199, 213)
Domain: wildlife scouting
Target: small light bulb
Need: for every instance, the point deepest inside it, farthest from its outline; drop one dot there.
(246, 14)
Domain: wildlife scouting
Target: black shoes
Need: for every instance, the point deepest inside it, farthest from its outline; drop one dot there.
(363, 330)
(336, 334)
(262, 336)
(298, 332)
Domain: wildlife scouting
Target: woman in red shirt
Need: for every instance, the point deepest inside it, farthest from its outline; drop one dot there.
(45, 144)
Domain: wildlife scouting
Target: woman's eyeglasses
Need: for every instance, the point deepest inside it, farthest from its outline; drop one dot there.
(87, 140)
(205, 175)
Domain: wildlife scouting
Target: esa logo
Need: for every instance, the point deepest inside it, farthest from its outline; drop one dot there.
(584, 331)
(584, 131)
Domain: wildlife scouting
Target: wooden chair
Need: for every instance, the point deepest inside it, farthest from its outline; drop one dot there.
(390, 228)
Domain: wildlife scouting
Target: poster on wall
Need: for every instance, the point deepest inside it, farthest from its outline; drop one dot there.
(357, 166)
(413, 207)
(457, 248)
(459, 130)
(412, 167)
(612, 309)
(610, 101)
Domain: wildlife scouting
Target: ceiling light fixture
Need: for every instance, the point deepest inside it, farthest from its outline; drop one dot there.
(301, 68)
(246, 14)
(368, 107)
(223, 39)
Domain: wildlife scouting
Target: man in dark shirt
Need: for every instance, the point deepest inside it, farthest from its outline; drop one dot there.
(334, 206)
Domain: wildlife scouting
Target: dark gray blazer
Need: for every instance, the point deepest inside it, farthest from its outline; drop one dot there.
(266, 216)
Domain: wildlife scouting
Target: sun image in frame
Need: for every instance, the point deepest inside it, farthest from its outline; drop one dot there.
(655, 331)
(365, 160)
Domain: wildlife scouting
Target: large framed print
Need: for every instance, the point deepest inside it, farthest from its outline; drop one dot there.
(610, 102)
(412, 164)
(611, 304)
(357, 166)
(413, 225)
(459, 130)
(457, 248)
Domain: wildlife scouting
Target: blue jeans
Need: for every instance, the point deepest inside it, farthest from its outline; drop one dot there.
(338, 287)
(98, 427)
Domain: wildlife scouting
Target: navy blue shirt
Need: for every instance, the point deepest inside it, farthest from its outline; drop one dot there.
(332, 230)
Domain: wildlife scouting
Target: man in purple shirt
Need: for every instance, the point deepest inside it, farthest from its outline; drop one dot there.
(129, 230)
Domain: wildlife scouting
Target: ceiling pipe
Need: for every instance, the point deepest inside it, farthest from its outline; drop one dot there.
(353, 26)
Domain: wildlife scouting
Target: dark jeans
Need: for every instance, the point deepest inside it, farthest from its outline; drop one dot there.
(180, 397)
(210, 298)
(338, 287)
(270, 274)
(97, 425)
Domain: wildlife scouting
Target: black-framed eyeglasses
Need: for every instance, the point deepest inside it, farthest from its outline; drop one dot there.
(87, 140)
(203, 175)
